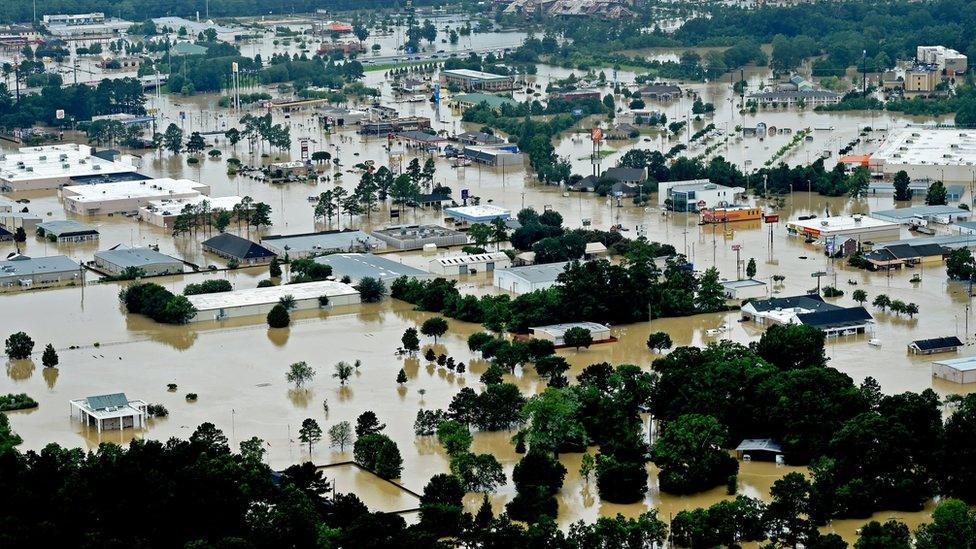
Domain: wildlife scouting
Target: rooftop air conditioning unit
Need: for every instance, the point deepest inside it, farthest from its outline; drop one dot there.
(96, 167)
(42, 158)
(824, 223)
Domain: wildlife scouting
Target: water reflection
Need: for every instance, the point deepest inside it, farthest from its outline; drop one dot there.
(20, 370)
(300, 398)
(279, 336)
(50, 376)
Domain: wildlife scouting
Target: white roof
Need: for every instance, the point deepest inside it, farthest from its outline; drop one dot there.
(469, 259)
(965, 364)
(175, 205)
(932, 146)
(745, 283)
(269, 295)
(65, 160)
(121, 190)
(558, 330)
(485, 211)
(841, 222)
(479, 75)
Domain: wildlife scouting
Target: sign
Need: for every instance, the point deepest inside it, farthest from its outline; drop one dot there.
(304, 149)
(233, 67)
(59, 114)
(771, 218)
(586, 222)
(577, 112)
(817, 274)
(182, 115)
(394, 213)
(437, 92)
(736, 247)
(596, 134)
(464, 194)
(701, 204)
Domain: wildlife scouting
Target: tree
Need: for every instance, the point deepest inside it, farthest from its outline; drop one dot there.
(401, 377)
(371, 290)
(658, 341)
(196, 143)
(50, 357)
(751, 268)
(480, 234)
(937, 195)
(552, 368)
(343, 371)
(711, 294)
(858, 182)
(881, 301)
(274, 269)
(368, 424)
(478, 472)
(310, 433)
(300, 373)
(19, 346)
(890, 535)
(441, 505)
(537, 478)
(859, 296)
(173, 138)
(792, 346)
(902, 189)
(410, 341)
(690, 455)
(340, 435)
(278, 317)
(788, 514)
(578, 337)
(434, 327)
(379, 454)
(953, 525)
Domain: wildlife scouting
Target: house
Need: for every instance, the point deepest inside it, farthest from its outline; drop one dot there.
(556, 332)
(660, 92)
(117, 259)
(624, 174)
(935, 345)
(470, 80)
(759, 449)
(417, 237)
(27, 272)
(521, 280)
(957, 370)
(66, 231)
(584, 185)
(259, 301)
(839, 321)
(359, 266)
(463, 264)
(112, 411)
(740, 290)
(234, 248)
(780, 310)
(298, 246)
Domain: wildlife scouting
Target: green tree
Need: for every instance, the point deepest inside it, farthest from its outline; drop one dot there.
(658, 341)
(442, 506)
(792, 346)
(401, 377)
(937, 195)
(480, 234)
(368, 424)
(788, 514)
(371, 290)
(902, 182)
(19, 346)
(577, 337)
(340, 435)
(50, 357)
(478, 472)
(196, 143)
(751, 268)
(859, 296)
(379, 454)
(343, 371)
(890, 535)
(960, 265)
(274, 269)
(410, 341)
(858, 182)
(300, 373)
(278, 317)
(434, 327)
(711, 294)
(537, 478)
(173, 138)
(953, 525)
(690, 454)
(310, 433)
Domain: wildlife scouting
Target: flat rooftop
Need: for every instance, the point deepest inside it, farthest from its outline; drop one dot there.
(27, 266)
(841, 222)
(359, 266)
(475, 75)
(479, 213)
(124, 256)
(560, 329)
(921, 211)
(745, 283)
(928, 146)
(965, 364)
(405, 233)
(265, 296)
(54, 161)
(173, 206)
(546, 272)
(122, 190)
(65, 226)
(324, 241)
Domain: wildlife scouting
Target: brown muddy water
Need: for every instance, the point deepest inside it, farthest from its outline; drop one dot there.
(238, 367)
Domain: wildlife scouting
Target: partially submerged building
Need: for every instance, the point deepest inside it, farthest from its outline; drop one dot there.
(298, 246)
(417, 237)
(957, 370)
(259, 301)
(811, 310)
(110, 412)
(31, 272)
(485, 213)
(54, 166)
(234, 248)
(128, 196)
(747, 288)
(359, 266)
(64, 231)
(462, 264)
(696, 194)
(935, 345)
(117, 259)
(471, 80)
(556, 332)
(842, 227)
(521, 280)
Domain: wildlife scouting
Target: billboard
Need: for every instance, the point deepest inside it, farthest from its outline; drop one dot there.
(596, 134)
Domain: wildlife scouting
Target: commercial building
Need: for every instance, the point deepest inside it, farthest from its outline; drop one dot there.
(626, 175)
(12, 220)
(113, 411)
(298, 246)
(127, 196)
(117, 259)
(67, 231)
(895, 255)
(660, 92)
(788, 98)
(468, 100)
(469, 80)
(337, 116)
(478, 214)
(696, 194)
(29, 272)
(259, 301)
(810, 310)
(839, 321)
(948, 60)
(163, 213)
(360, 266)
(957, 370)
(935, 345)
(54, 166)
(759, 449)
(842, 227)
(234, 248)
(416, 237)
(922, 79)
(393, 125)
(504, 156)
(576, 95)
(195, 27)
(744, 289)
(463, 264)
(521, 280)
(478, 139)
(556, 332)
(84, 24)
(936, 154)
(913, 214)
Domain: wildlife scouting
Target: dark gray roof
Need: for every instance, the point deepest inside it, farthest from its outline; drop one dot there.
(432, 198)
(811, 301)
(420, 136)
(102, 402)
(238, 247)
(937, 343)
(623, 173)
(66, 227)
(836, 318)
(479, 137)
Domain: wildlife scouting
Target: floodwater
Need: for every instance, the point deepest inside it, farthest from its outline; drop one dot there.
(238, 368)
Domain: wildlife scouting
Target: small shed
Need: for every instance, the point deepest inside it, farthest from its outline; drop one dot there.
(469, 263)
(594, 250)
(958, 370)
(759, 449)
(744, 289)
(934, 345)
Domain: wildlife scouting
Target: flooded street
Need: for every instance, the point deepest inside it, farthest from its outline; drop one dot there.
(238, 367)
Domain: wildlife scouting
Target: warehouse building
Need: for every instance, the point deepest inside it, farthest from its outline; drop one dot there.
(556, 332)
(957, 370)
(28, 272)
(13, 220)
(937, 154)
(163, 213)
(522, 280)
(463, 264)
(54, 166)
(67, 231)
(842, 227)
(259, 301)
(504, 156)
(485, 213)
(469, 80)
(936, 214)
(234, 248)
(127, 196)
(298, 246)
(360, 266)
(417, 237)
(116, 260)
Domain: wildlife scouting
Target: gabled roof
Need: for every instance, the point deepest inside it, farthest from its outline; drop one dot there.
(836, 318)
(623, 173)
(759, 445)
(937, 343)
(811, 301)
(236, 246)
(102, 402)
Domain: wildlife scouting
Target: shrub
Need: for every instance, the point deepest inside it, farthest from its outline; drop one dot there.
(16, 402)
(157, 303)
(208, 287)
(266, 283)
(191, 397)
(278, 317)
(158, 410)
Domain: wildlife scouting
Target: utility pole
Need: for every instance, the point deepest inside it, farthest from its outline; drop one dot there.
(864, 72)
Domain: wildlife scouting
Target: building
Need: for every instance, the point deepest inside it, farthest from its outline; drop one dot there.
(67, 231)
(576, 95)
(29, 272)
(234, 248)
(556, 332)
(840, 228)
(259, 301)
(930, 153)
(948, 60)
(521, 280)
(759, 449)
(896, 255)
(626, 175)
(345, 46)
(478, 139)
(478, 214)
(740, 290)
(498, 156)
(957, 370)
(114, 411)
(54, 166)
(469, 80)
(163, 213)
(780, 310)
(839, 321)
(337, 116)
(11, 221)
(127, 196)
(463, 264)
(922, 79)
(393, 125)
(197, 26)
(935, 345)
(298, 246)
(696, 194)
(468, 100)
(731, 214)
(420, 140)
(359, 266)
(929, 214)
(84, 24)
(417, 237)
(129, 64)
(117, 259)
(187, 49)
(787, 98)
(660, 92)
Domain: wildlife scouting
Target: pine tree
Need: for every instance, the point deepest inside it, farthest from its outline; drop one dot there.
(401, 377)
(50, 356)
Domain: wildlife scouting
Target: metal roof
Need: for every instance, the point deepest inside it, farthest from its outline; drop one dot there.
(836, 318)
(359, 266)
(103, 402)
(60, 227)
(557, 330)
(468, 259)
(937, 343)
(920, 211)
(123, 256)
(238, 247)
(811, 302)
(759, 445)
(965, 364)
(546, 272)
(27, 266)
(322, 242)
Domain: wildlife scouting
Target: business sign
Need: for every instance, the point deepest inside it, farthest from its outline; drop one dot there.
(701, 204)
(587, 222)
(59, 114)
(577, 112)
(771, 218)
(233, 67)
(304, 149)
(736, 247)
(437, 92)
(596, 134)
(464, 194)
